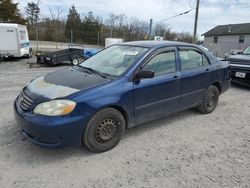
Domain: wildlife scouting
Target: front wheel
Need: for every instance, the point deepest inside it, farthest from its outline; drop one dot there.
(104, 131)
(210, 100)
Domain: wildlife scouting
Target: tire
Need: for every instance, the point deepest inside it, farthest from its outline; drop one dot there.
(104, 130)
(75, 61)
(210, 100)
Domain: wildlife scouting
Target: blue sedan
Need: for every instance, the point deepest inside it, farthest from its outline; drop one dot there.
(120, 87)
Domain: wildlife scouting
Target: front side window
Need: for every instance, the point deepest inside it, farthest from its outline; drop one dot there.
(190, 59)
(115, 60)
(162, 63)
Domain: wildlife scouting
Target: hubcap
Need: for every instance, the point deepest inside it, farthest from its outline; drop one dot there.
(105, 130)
(211, 99)
(75, 62)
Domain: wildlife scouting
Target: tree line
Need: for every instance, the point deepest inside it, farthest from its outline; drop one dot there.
(89, 29)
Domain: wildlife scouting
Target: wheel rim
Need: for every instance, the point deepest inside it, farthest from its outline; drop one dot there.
(75, 62)
(211, 100)
(106, 130)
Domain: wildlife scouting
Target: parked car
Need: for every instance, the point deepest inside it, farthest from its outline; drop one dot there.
(233, 52)
(240, 67)
(122, 86)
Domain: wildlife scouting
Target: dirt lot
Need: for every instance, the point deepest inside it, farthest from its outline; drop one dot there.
(183, 150)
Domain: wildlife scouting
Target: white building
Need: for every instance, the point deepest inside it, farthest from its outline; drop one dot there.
(223, 38)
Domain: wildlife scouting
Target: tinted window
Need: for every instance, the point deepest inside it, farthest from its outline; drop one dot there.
(205, 61)
(162, 63)
(190, 59)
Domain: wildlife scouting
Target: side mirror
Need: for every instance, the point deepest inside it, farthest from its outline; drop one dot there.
(144, 74)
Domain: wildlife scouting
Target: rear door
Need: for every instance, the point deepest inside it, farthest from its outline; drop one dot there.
(157, 96)
(195, 76)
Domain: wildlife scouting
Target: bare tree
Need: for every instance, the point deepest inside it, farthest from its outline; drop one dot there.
(55, 21)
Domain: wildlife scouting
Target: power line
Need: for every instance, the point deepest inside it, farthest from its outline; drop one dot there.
(186, 12)
(180, 14)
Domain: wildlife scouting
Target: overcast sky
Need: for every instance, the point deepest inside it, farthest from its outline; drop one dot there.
(212, 12)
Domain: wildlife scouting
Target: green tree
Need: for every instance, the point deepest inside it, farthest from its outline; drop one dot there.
(91, 27)
(32, 12)
(73, 24)
(10, 13)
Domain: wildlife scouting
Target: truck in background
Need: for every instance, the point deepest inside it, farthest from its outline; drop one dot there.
(14, 41)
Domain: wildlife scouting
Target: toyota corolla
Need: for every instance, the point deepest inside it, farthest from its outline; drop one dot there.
(120, 87)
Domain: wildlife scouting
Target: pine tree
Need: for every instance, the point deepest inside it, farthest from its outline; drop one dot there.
(32, 11)
(91, 26)
(73, 24)
(10, 13)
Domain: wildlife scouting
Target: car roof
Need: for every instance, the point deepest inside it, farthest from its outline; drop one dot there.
(156, 44)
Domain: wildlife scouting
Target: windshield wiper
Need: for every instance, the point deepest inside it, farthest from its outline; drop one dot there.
(94, 71)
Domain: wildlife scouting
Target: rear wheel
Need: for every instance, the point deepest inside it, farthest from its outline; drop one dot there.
(104, 131)
(210, 100)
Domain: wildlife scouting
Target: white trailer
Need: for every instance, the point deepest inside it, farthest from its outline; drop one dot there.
(14, 41)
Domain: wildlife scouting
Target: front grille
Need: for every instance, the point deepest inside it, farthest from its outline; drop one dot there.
(24, 101)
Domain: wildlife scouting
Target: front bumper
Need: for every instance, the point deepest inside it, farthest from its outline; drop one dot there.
(51, 132)
(242, 81)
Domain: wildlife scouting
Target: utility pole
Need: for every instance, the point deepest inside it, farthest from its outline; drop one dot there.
(196, 20)
(36, 37)
(98, 38)
(111, 31)
(150, 28)
(71, 36)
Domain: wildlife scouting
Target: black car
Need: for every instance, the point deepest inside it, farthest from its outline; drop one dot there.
(240, 67)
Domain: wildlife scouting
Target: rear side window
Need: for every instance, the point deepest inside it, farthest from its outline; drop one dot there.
(162, 63)
(190, 59)
(205, 61)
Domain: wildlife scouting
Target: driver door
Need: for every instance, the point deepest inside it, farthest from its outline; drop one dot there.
(158, 96)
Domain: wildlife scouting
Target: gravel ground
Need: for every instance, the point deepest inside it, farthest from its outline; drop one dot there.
(187, 149)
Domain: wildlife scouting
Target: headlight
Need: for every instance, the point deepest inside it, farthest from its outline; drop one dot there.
(55, 108)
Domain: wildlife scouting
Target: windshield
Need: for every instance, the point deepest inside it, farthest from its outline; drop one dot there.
(247, 51)
(114, 60)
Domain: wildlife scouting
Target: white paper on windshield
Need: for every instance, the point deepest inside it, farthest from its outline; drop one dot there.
(130, 53)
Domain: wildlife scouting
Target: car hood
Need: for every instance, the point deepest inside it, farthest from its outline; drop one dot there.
(245, 59)
(62, 83)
